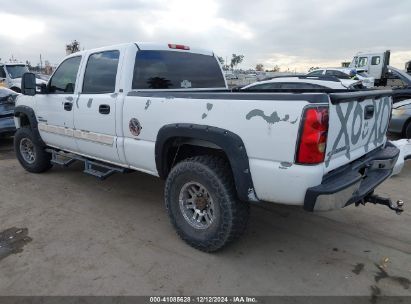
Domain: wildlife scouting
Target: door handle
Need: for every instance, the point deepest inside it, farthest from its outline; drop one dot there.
(68, 106)
(104, 109)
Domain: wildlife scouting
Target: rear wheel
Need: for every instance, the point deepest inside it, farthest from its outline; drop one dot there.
(201, 201)
(30, 153)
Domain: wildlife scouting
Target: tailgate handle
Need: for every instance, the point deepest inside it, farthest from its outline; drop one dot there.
(368, 112)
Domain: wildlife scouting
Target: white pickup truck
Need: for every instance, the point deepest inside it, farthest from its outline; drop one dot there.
(166, 110)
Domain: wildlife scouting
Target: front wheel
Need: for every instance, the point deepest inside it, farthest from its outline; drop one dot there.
(29, 153)
(202, 204)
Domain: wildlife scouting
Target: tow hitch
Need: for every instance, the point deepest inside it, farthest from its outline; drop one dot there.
(375, 199)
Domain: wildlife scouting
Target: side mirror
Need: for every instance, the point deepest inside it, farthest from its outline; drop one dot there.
(28, 84)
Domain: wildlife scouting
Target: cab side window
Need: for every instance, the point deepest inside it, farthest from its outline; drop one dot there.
(64, 79)
(2, 72)
(375, 60)
(101, 72)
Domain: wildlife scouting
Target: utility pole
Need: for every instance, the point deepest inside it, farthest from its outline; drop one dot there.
(41, 63)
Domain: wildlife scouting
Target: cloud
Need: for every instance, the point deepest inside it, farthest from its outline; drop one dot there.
(20, 28)
(291, 34)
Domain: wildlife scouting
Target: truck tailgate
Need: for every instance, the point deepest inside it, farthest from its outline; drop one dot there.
(358, 123)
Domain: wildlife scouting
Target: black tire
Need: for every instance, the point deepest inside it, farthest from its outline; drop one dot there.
(407, 130)
(230, 214)
(41, 159)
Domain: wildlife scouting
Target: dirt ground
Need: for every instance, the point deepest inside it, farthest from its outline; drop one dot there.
(113, 237)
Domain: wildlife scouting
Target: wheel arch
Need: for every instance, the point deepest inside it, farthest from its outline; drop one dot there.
(230, 144)
(27, 118)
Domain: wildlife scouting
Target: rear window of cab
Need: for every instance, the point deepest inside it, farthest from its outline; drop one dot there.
(176, 70)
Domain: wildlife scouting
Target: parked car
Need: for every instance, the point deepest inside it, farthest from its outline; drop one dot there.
(11, 73)
(344, 74)
(401, 119)
(304, 82)
(7, 101)
(165, 109)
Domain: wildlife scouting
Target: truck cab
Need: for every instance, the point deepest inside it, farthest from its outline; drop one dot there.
(408, 67)
(374, 63)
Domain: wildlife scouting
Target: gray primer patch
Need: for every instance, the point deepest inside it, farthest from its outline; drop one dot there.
(78, 97)
(209, 108)
(69, 98)
(114, 95)
(148, 103)
(272, 119)
(12, 241)
(89, 103)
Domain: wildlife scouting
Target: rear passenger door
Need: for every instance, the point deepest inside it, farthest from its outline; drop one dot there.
(95, 110)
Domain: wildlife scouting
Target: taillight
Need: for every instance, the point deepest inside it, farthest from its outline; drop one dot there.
(179, 47)
(313, 139)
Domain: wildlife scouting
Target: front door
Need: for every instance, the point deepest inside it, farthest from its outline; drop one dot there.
(55, 109)
(375, 69)
(95, 111)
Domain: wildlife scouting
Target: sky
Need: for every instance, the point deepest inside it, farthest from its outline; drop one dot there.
(294, 35)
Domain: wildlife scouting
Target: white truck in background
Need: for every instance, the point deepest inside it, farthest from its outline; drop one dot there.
(374, 63)
(164, 109)
(11, 74)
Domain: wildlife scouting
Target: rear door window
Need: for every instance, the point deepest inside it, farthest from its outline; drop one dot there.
(101, 72)
(176, 70)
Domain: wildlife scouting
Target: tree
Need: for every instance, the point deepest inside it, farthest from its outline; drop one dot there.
(221, 59)
(275, 69)
(259, 67)
(73, 47)
(313, 69)
(236, 60)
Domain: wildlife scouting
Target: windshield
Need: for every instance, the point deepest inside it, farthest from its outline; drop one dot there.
(16, 71)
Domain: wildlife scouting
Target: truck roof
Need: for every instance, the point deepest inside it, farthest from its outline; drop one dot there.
(145, 46)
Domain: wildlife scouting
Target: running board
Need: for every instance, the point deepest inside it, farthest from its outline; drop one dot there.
(92, 167)
(100, 170)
